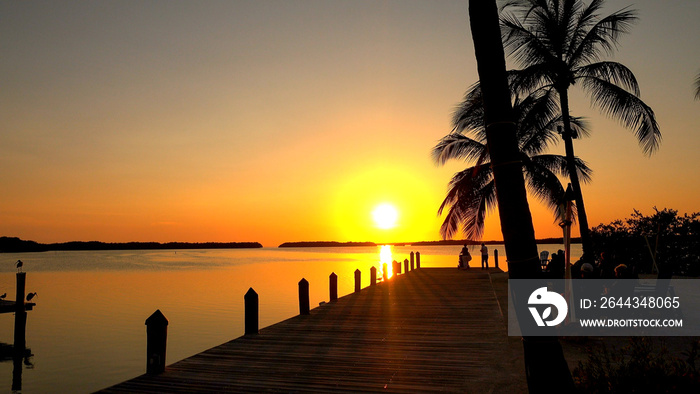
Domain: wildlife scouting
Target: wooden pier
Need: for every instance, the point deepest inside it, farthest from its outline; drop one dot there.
(433, 329)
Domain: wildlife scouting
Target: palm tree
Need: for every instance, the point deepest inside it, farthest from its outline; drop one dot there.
(471, 192)
(546, 368)
(559, 43)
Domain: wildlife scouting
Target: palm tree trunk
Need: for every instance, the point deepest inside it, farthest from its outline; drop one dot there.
(513, 208)
(545, 366)
(567, 136)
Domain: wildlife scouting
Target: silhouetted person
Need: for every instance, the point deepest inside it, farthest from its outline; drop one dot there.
(544, 256)
(555, 267)
(622, 286)
(484, 256)
(587, 271)
(555, 270)
(606, 265)
(464, 258)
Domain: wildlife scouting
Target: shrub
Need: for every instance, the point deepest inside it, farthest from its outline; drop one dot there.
(638, 368)
(672, 239)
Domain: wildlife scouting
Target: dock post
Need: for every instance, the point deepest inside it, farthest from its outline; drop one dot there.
(333, 285)
(357, 280)
(251, 312)
(385, 272)
(495, 257)
(372, 276)
(412, 260)
(397, 267)
(303, 297)
(412, 265)
(20, 314)
(156, 342)
(405, 266)
(417, 259)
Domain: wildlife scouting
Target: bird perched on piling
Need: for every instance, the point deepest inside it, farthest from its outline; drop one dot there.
(30, 296)
(19, 265)
(2, 297)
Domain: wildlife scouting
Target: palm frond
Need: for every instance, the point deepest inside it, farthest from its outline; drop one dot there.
(601, 37)
(469, 113)
(629, 109)
(586, 17)
(534, 115)
(527, 81)
(470, 195)
(524, 45)
(579, 126)
(557, 165)
(613, 72)
(543, 184)
(459, 147)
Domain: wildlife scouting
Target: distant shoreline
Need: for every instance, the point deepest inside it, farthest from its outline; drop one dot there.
(328, 244)
(16, 245)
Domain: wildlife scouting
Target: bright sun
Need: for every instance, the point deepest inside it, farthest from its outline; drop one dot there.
(385, 216)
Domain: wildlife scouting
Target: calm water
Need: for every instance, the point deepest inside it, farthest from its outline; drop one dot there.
(87, 331)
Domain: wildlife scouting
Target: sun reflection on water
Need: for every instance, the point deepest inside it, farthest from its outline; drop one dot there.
(385, 257)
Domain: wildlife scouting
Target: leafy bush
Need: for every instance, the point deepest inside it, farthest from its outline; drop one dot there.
(672, 239)
(638, 368)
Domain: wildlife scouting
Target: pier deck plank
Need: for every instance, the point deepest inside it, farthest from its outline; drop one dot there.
(434, 329)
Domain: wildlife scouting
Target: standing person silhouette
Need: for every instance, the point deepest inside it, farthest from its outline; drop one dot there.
(484, 256)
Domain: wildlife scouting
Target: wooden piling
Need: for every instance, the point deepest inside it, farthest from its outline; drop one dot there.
(156, 342)
(17, 368)
(357, 281)
(417, 259)
(385, 272)
(405, 265)
(251, 312)
(412, 265)
(303, 297)
(495, 257)
(412, 260)
(372, 276)
(20, 314)
(333, 286)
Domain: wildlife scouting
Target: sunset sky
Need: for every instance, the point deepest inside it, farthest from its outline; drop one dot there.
(289, 120)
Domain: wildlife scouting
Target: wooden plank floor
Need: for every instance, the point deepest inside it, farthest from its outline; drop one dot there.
(434, 329)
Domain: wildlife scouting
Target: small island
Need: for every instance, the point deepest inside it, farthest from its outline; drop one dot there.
(16, 245)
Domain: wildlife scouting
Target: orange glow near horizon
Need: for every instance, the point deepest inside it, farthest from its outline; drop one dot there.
(361, 211)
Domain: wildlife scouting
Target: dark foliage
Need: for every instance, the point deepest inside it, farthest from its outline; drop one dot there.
(640, 367)
(671, 240)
